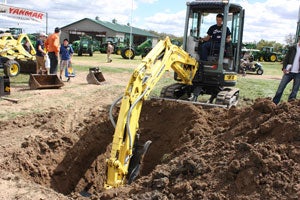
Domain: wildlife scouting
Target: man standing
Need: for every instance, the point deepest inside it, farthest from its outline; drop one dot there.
(52, 46)
(40, 54)
(110, 50)
(213, 37)
(291, 71)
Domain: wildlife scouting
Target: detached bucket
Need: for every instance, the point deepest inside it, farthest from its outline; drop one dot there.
(95, 76)
(4, 85)
(37, 81)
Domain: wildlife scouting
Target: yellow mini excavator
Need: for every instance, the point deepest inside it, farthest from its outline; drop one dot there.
(214, 76)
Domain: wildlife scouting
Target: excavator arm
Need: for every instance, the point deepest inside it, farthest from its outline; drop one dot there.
(163, 57)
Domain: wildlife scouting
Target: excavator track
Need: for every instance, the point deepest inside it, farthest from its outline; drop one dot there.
(174, 91)
(228, 97)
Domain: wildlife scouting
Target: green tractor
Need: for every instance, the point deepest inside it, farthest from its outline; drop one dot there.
(268, 54)
(143, 49)
(118, 47)
(75, 45)
(85, 46)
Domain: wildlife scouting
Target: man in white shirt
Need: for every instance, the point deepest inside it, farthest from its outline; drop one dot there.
(291, 71)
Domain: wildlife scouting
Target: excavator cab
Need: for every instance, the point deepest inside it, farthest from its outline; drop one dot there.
(219, 72)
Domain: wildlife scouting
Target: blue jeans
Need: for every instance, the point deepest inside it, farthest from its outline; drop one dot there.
(283, 83)
(206, 47)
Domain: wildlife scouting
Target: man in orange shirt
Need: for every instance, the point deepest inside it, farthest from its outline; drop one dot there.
(53, 45)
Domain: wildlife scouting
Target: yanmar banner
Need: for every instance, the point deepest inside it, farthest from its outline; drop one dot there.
(7, 11)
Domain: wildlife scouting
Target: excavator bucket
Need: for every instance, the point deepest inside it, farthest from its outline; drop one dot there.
(95, 76)
(27, 66)
(38, 81)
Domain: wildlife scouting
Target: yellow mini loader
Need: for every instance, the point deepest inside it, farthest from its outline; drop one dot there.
(14, 58)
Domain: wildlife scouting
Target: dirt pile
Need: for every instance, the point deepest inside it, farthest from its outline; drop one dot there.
(249, 153)
(196, 153)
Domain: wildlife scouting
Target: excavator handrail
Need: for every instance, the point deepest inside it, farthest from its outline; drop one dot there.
(163, 57)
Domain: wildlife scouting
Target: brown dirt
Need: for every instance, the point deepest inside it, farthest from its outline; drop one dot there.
(57, 148)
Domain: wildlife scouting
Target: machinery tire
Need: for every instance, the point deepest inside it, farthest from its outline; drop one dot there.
(174, 91)
(273, 58)
(119, 52)
(261, 58)
(128, 53)
(91, 53)
(27, 66)
(79, 53)
(259, 72)
(11, 68)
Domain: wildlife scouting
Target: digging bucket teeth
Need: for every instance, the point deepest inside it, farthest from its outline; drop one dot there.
(95, 76)
(38, 81)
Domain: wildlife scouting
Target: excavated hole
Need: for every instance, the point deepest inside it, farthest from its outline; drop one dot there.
(76, 162)
(190, 145)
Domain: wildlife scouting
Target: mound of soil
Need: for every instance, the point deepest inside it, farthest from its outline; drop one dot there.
(196, 152)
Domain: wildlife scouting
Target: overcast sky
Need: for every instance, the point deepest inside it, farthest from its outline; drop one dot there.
(270, 20)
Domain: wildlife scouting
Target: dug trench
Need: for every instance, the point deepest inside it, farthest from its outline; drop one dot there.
(196, 153)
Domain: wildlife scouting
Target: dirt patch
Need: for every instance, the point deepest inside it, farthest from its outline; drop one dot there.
(196, 153)
(57, 146)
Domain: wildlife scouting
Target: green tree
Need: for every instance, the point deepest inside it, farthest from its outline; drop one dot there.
(264, 43)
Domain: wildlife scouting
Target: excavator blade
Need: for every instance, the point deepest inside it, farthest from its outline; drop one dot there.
(135, 165)
(191, 102)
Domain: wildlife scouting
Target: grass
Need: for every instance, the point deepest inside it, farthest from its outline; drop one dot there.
(253, 88)
(250, 86)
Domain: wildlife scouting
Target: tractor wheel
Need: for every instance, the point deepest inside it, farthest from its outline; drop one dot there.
(261, 58)
(273, 58)
(259, 72)
(11, 68)
(119, 52)
(79, 52)
(91, 53)
(128, 53)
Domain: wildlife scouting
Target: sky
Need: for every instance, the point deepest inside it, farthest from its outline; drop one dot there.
(271, 20)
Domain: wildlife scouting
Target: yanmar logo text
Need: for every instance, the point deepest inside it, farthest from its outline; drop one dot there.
(27, 13)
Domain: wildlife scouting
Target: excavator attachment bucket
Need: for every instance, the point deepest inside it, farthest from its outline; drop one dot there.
(37, 81)
(95, 76)
(27, 66)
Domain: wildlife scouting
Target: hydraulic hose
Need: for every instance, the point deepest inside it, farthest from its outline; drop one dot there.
(129, 115)
(111, 109)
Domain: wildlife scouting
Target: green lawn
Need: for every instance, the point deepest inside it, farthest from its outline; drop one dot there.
(250, 86)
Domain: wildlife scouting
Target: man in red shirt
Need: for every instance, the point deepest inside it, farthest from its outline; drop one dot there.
(53, 45)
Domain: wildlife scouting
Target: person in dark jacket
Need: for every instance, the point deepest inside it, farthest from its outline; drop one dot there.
(291, 71)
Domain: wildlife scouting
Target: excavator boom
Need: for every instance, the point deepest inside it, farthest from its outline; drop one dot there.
(163, 57)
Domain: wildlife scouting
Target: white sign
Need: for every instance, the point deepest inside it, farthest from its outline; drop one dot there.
(23, 14)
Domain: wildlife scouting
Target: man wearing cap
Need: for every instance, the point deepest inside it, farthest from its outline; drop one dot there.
(291, 71)
(52, 46)
(40, 54)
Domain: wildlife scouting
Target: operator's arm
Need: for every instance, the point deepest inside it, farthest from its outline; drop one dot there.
(208, 36)
(228, 35)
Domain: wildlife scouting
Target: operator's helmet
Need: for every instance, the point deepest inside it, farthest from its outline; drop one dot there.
(251, 58)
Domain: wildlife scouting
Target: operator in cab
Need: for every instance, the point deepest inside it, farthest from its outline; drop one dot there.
(213, 38)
